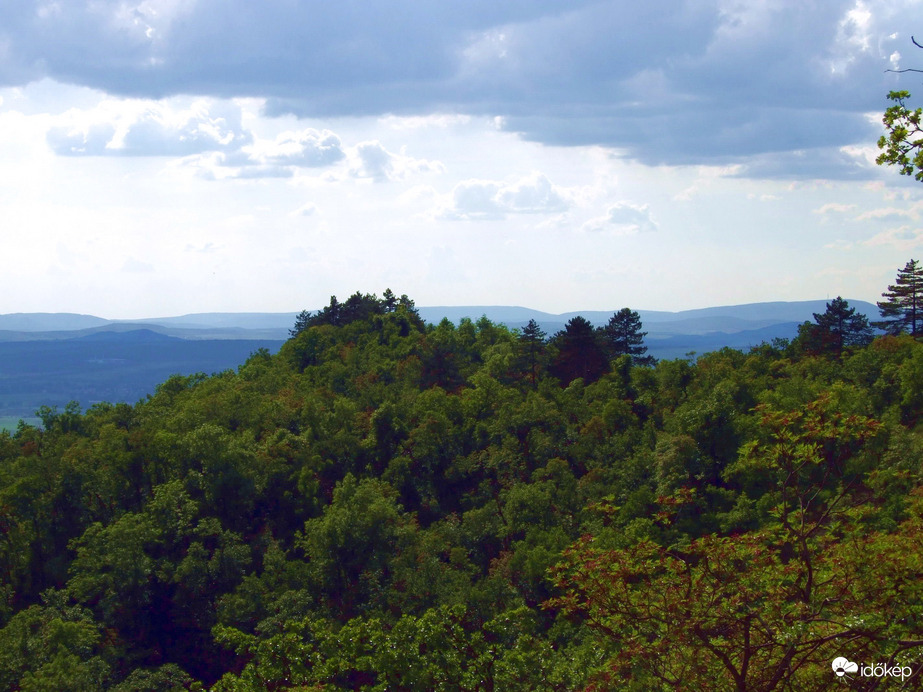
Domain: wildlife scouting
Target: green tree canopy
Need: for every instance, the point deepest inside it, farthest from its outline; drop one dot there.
(357, 307)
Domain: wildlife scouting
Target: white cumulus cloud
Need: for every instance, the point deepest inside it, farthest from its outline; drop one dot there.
(372, 160)
(490, 199)
(623, 218)
(132, 128)
(308, 147)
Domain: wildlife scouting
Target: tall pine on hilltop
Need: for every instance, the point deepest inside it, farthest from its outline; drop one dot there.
(533, 337)
(902, 309)
(624, 337)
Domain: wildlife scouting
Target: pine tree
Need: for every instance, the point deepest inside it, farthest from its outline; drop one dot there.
(836, 329)
(302, 322)
(534, 338)
(389, 300)
(902, 309)
(624, 337)
(580, 352)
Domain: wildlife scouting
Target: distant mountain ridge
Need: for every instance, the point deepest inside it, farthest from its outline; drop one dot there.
(669, 334)
(134, 336)
(242, 325)
(49, 321)
(749, 313)
(51, 358)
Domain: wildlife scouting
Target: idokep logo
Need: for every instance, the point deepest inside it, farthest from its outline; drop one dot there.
(844, 667)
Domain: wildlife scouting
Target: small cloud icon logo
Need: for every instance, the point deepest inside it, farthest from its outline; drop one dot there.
(842, 665)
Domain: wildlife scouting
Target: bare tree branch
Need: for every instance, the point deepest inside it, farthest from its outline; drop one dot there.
(909, 69)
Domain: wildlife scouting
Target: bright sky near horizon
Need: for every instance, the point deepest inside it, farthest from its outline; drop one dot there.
(173, 156)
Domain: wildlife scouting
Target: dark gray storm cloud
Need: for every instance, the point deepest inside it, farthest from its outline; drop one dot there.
(688, 81)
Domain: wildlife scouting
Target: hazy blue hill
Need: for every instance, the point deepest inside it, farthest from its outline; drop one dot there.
(679, 345)
(706, 325)
(495, 313)
(108, 366)
(275, 325)
(190, 333)
(779, 311)
(52, 358)
(48, 321)
(134, 336)
(698, 325)
(224, 320)
(728, 318)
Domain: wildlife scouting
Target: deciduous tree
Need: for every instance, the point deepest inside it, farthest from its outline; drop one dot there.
(771, 608)
(903, 145)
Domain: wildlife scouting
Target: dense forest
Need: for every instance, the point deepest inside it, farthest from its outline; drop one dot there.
(390, 505)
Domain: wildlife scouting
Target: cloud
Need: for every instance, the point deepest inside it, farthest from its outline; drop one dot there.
(623, 218)
(835, 207)
(208, 134)
(92, 141)
(474, 200)
(205, 127)
(488, 199)
(532, 195)
(131, 128)
(904, 238)
(375, 162)
(260, 172)
(438, 120)
(708, 82)
(306, 148)
(892, 213)
(811, 163)
(706, 177)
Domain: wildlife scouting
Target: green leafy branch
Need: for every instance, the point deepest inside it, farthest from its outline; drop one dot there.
(903, 145)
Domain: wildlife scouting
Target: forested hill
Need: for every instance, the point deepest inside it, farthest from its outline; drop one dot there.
(385, 504)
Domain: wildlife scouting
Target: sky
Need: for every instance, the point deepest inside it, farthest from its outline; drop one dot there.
(168, 157)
